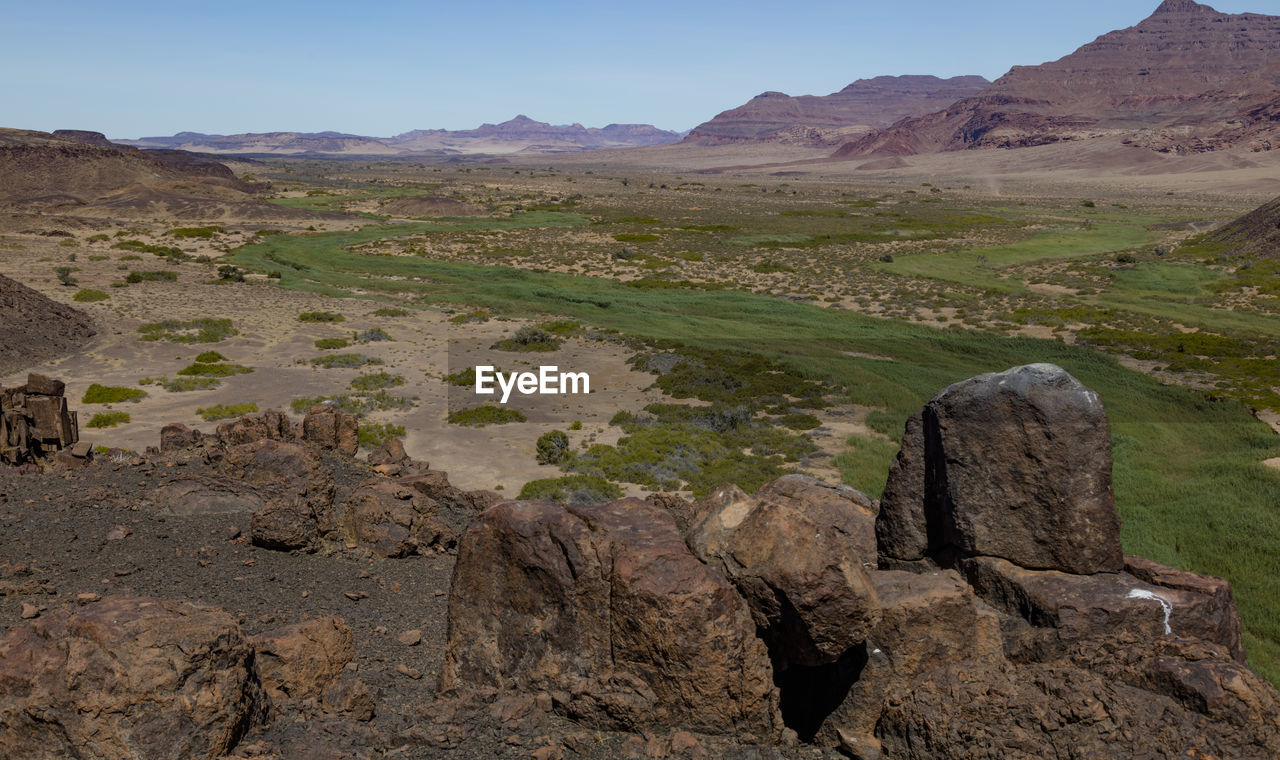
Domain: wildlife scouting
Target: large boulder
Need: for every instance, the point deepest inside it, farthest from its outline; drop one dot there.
(297, 487)
(605, 608)
(127, 677)
(301, 662)
(270, 425)
(810, 605)
(1014, 464)
(392, 519)
(328, 427)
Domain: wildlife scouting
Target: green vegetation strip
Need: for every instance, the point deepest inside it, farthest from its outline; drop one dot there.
(1188, 480)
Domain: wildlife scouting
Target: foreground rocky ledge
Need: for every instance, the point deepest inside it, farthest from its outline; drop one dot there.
(982, 609)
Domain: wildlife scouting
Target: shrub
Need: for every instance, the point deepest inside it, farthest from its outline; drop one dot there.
(330, 343)
(1088, 204)
(230, 273)
(225, 411)
(486, 415)
(163, 251)
(196, 232)
(553, 447)
(108, 419)
(376, 380)
(374, 435)
(98, 238)
(577, 425)
(635, 237)
(800, 421)
(184, 384)
(465, 378)
(203, 330)
(529, 338)
(88, 295)
(320, 316)
(572, 489)
(372, 335)
(344, 361)
(111, 394)
(562, 327)
(209, 357)
(389, 312)
(470, 316)
(214, 370)
(64, 275)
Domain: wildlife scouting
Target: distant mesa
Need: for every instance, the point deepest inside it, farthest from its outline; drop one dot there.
(831, 119)
(512, 136)
(1188, 79)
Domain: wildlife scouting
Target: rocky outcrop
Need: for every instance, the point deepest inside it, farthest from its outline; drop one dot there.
(127, 677)
(810, 606)
(302, 662)
(35, 421)
(393, 519)
(1015, 464)
(604, 608)
(297, 487)
(328, 427)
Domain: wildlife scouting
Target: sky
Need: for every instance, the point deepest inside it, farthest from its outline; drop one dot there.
(134, 69)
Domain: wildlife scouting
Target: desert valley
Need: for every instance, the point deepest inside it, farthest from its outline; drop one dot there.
(935, 417)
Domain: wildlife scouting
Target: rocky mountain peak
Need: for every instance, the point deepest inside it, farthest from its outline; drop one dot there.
(1182, 6)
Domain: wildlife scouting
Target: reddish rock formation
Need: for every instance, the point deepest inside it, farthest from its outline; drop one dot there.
(1186, 79)
(605, 608)
(127, 677)
(829, 119)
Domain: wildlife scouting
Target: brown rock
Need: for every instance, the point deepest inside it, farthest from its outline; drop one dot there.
(299, 490)
(1220, 620)
(684, 512)
(812, 605)
(204, 495)
(128, 677)
(848, 512)
(302, 661)
(392, 519)
(176, 436)
(350, 697)
(329, 427)
(30, 611)
(285, 524)
(270, 425)
(41, 385)
(605, 608)
(1017, 464)
(390, 451)
(1069, 607)
(901, 525)
(410, 638)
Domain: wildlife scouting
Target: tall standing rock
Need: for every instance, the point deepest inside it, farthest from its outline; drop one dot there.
(1016, 465)
(605, 608)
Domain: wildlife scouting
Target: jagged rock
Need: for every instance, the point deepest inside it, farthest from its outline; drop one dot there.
(684, 512)
(1131, 697)
(1017, 464)
(270, 425)
(901, 525)
(390, 451)
(127, 677)
(1066, 607)
(394, 520)
(810, 605)
(1218, 621)
(350, 697)
(604, 607)
(327, 426)
(287, 525)
(301, 662)
(176, 436)
(927, 620)
(435, 485)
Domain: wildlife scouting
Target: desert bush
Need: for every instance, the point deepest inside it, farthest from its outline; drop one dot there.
(111, 394)
(230, 273)
(64, 275)
(390, 312)
(162, 275)
(529, 338)
(331, 343)
(320, 316)
(225, 411)
(376, 381)
(196, 232)
(553, 447)
(373, 435)
(486, 415)
(372, 335)
(88, 295)
(470, 316)
(209, 357)
(184, 384)
(108, 419)
(201, 369)
(572, 489)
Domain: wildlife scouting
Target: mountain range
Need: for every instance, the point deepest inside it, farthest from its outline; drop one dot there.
(1187, 79)
(833, 119)
(518, 135)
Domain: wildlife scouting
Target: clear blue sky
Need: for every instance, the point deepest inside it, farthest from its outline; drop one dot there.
(131, 69)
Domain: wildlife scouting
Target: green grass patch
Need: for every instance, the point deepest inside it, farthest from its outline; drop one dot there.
(865, 464)
(373, 435)
(196, 232)
(200, 369)
(111, 394)
(108, 419)
(209, 357)
(487, 414)
(185, 384)
(88, 295)
(332, 343)
(571, 489)
(390, 312)
(204, 330)
(376, 380)
(160, 275)
(225, 411)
